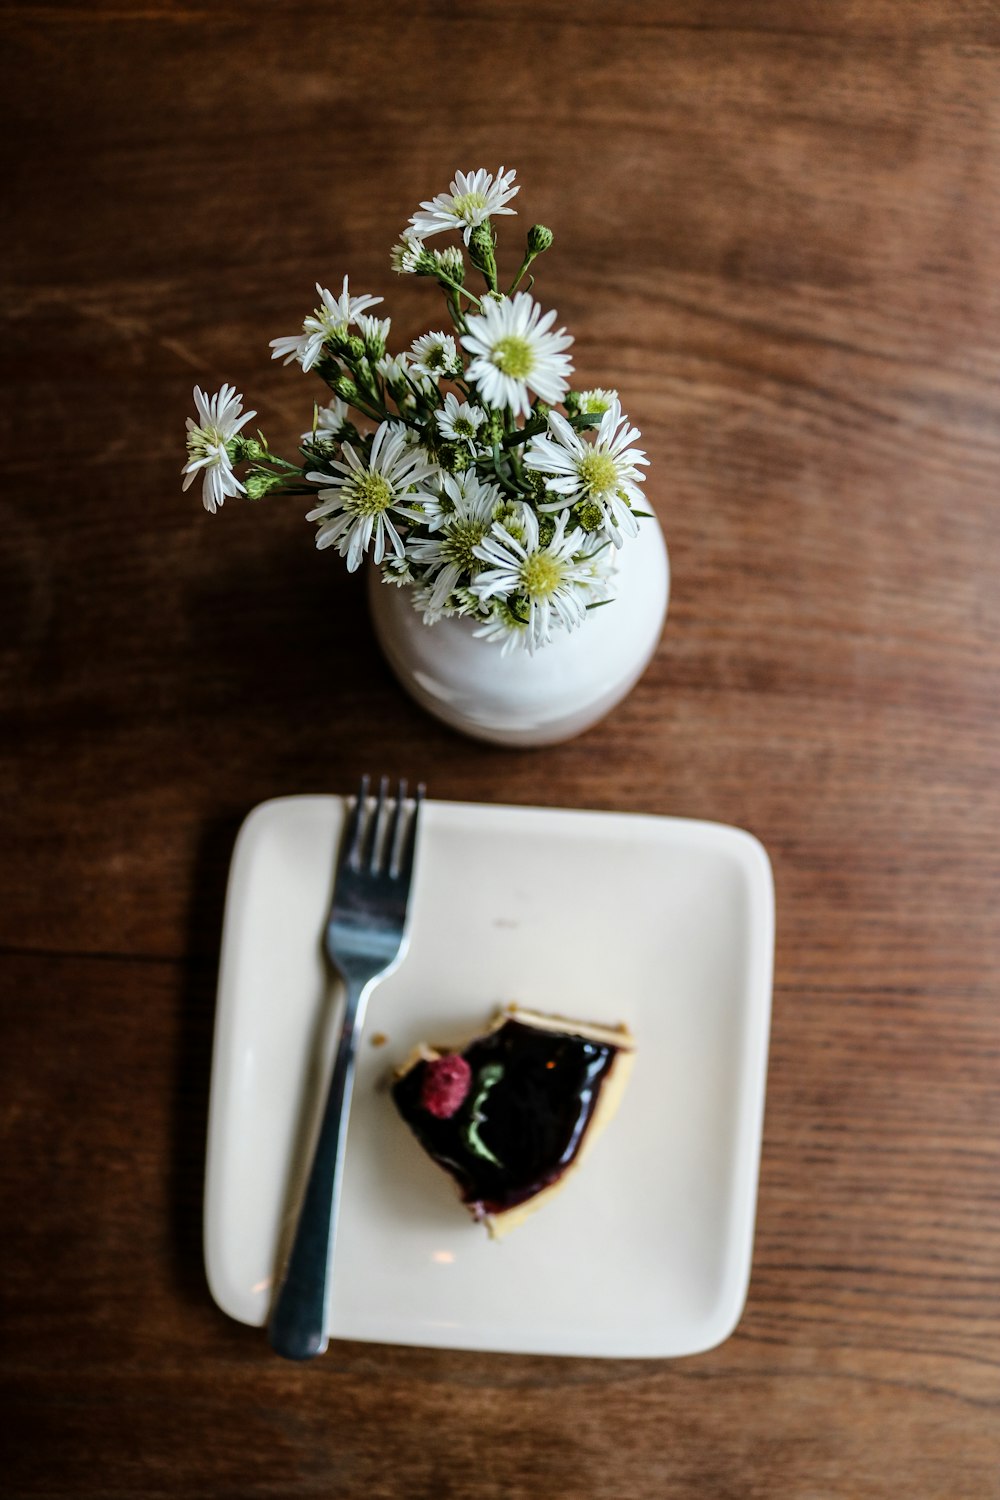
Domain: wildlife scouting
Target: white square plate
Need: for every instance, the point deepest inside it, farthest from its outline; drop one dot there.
(663, 923)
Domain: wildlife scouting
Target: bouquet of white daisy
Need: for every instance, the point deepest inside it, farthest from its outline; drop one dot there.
(449, 463)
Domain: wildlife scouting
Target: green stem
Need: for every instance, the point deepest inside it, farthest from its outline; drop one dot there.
(529, 430)
(512, 489)
(526, 262)
(457, 315)
(422, 395)
(366, 383)
(457, 286)
(367, 408)
(512, 448)
(279, 463)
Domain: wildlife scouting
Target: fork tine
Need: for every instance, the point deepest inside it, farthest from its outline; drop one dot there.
(393, 843)
(408, 842)
(373, 842)
(356, 824)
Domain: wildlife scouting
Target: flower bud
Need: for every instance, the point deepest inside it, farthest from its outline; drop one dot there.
(481, 243)
(356, 348)
(539, 239)
(346, 389)
(537, 487)
(452, 262)
(261, 483)
(405, 256)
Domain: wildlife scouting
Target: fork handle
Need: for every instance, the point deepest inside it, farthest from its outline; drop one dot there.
(298, 1322)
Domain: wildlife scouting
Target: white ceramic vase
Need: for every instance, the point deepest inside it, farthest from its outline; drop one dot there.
(519, 699)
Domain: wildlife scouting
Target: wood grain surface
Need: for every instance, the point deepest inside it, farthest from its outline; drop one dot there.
(777, 232)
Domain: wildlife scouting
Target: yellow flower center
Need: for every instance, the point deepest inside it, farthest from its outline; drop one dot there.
(462, 537)
(590, 516)
(514, 356)
(595, 406)
(597, 473)
(468, 204)
(370, 495)
(205, 441)
(541, 575)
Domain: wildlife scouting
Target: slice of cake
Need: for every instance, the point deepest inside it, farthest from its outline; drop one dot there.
(514, 1112)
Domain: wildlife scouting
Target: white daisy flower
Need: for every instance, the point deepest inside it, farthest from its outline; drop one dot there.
(461, 601)
(514, 351)
(330, 421)
(423, 601)
(360, 495)
(595, 403)
(401, 375)
(411, 436)
(554, 583)
(393, 368)
(460, 525)
(434, 355)
(600, 560)
(374, 332)
(458, 421)
(504, 628)
(404, 257)
(334, 315)
(510, 514)
(603, 473)
(472, 198)
(219, 420)
(451, 261)
(397, 571)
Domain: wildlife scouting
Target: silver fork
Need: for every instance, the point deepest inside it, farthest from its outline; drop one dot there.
(365, 938)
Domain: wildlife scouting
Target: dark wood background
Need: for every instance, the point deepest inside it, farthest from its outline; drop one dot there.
(778, 233)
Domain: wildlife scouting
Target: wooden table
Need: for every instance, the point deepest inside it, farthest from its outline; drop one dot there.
(777, 232)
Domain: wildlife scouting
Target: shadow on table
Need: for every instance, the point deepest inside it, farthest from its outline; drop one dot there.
(193, 1058)
(290, 706)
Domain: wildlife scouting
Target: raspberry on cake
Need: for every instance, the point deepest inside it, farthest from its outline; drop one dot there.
(444, 1085)
(513, 1113)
